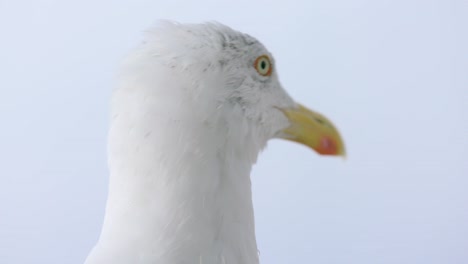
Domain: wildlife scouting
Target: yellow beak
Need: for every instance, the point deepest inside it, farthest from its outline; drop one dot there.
(313, 130)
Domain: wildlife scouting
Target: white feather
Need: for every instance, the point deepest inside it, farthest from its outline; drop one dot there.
(189, 117)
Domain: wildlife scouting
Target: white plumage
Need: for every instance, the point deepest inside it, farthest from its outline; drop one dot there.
(189, 116)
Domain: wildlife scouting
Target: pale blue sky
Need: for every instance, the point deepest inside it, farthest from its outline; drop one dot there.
(391, 74)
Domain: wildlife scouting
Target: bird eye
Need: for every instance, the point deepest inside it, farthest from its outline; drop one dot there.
(263, 65)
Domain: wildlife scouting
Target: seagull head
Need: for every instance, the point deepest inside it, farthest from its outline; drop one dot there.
(222, 74)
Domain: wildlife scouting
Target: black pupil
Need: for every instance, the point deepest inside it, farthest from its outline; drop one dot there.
(263, 64)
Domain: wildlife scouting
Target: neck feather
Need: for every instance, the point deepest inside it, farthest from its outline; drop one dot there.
(180, 189)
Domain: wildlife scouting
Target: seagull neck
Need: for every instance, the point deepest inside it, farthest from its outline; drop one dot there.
(181, 197)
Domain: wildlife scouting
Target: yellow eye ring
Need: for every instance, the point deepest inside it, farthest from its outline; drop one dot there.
(263, 65)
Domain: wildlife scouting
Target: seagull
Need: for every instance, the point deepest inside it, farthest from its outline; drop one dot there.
(193, 107)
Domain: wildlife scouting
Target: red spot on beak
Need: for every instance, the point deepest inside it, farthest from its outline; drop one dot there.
(327, 146)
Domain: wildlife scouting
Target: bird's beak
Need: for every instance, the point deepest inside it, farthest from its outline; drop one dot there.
(313, 130)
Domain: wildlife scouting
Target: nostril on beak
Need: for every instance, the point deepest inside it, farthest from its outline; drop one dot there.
(320, 121)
